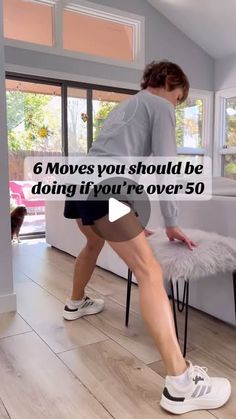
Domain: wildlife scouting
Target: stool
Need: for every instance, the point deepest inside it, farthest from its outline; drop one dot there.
(214, 254)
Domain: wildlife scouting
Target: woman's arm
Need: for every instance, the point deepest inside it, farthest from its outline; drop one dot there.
(164, 144)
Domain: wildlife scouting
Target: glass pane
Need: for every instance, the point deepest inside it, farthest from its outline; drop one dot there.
(230, 122)
(34, 128)
(189, 120)
(229, 164)
(77, 121)
(97, 36)
(28, 21)
(103, 103)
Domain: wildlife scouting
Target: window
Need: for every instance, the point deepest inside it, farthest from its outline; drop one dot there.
(77, 29)
(193, 127)
(229, 160)
(230, 123)
(97, 36)
(225, 135)
(28, 21)
(229, 166)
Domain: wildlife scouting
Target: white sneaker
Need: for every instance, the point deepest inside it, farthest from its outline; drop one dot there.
(87, 306)
(202, 392)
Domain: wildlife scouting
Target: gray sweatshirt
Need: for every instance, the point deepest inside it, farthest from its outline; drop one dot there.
(140, 126)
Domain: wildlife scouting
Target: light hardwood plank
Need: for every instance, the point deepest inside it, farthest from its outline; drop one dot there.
(29, 247)
(19, 276)
(107, 283)
(159, 367)
(124, 385)
(211, 335)
(12, 324)
(52, 274)
(40, 252)
(52, 270)
(48, 276)
(59, 258)
(55, 276)
(36, 384)
(48, 323)
(134, 338)
(120, 297)
(44, 314)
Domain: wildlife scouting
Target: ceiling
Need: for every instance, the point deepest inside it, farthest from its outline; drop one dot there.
(209, 23)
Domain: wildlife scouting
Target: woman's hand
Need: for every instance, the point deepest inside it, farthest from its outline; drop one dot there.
(174, 233)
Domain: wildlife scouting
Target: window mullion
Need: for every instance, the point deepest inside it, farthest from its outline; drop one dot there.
(58, 26)
(225, 151)
(90, 118)
(223, 126)
(217, 160)
(64, 94)
(192, 151)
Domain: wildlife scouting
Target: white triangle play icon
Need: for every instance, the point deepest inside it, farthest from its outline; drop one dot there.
(117, 210)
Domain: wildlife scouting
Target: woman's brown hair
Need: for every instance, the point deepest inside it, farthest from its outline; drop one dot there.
(167, 75)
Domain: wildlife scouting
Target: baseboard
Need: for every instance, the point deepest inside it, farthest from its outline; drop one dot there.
(7, 303)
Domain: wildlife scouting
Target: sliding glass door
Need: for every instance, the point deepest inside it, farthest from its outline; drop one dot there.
(46, 118)
(34, 128)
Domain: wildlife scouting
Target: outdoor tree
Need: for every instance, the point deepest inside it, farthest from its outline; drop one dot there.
(103, 111)
(230, 138)
(189, 126)
(28, 120)
(77, 125)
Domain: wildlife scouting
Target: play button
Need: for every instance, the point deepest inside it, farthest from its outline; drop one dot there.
(123, 215)
(117, 210)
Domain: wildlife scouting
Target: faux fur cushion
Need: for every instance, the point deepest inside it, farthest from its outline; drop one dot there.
(214, 254)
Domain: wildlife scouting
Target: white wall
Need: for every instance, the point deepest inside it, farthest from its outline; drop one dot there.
(162, 41)
(225, 73)
(7, 297)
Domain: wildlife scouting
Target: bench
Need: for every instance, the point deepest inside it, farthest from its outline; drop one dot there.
(214, 254)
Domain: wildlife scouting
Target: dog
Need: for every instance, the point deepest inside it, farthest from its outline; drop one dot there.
(17, 219)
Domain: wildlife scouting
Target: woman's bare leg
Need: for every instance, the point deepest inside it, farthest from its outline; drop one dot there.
(155, 306)
(86, 261)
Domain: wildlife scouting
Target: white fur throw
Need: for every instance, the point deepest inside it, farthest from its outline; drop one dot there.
(214, 254)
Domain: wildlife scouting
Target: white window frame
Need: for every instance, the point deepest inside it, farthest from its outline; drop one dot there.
(92, 9)
(207, 125)
(219, 137)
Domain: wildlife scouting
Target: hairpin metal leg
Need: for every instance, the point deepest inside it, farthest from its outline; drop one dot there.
(186, 317)
(234, 284)
(181, 305)
(174, 309)
(129, 283)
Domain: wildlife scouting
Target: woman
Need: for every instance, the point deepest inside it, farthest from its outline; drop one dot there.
(142, 125)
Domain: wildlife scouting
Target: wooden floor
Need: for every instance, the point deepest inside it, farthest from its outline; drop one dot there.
(91, 368)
